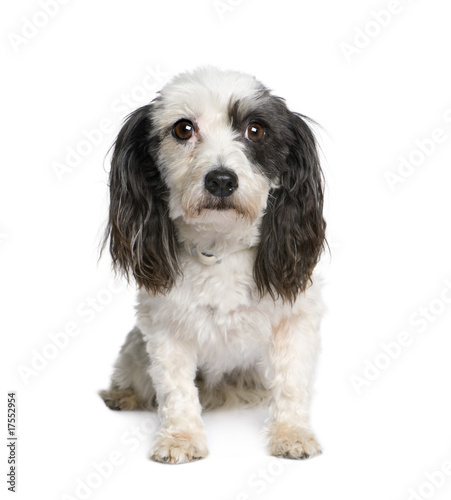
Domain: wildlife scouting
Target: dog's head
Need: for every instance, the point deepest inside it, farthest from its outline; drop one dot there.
(213, 148)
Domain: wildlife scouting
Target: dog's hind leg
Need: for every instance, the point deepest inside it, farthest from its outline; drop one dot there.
(131, 386)
(241, 387)
(122, 399)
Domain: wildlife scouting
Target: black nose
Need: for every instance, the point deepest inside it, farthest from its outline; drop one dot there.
(221, 182)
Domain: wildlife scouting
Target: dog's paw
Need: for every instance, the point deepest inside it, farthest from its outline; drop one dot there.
(121, 399)
(292, 442)
(179, 447)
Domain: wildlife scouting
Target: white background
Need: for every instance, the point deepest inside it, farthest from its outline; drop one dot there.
(376, 103)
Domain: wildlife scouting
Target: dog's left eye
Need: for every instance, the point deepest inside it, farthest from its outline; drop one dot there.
(255, 132)
(183, 130)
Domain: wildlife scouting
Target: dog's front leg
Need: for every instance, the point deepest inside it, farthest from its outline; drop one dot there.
(181, 436)
(293, 353)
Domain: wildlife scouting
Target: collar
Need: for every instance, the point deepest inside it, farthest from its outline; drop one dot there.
(207, 258)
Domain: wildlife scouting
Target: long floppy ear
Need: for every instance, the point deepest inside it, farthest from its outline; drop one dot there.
(293, 228)
(142, 237)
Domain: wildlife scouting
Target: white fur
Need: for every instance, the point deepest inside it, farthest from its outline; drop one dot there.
(212, 321)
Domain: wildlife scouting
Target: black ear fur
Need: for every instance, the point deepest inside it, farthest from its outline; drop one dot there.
(142, 236)
(293, 227)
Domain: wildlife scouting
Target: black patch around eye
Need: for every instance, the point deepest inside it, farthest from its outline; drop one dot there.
(270, 153)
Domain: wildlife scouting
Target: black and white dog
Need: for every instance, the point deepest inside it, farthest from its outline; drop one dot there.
(216, 212)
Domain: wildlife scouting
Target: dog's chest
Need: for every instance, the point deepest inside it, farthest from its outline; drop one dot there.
(227, 318)
(217, 306)
(220, 299)
(227, 287)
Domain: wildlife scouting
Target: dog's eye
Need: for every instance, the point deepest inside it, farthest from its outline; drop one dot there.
(255, 132)
(183, 130)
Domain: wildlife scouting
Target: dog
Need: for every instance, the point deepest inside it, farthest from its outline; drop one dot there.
(216, 212)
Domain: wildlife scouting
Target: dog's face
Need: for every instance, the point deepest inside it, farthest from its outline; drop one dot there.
(214, 147)
(211, 128)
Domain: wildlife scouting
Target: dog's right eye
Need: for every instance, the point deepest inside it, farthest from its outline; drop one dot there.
(183, 129)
